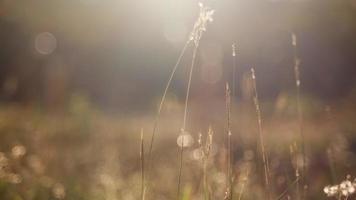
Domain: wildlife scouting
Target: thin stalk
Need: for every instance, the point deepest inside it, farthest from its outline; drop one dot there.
(233, 70)
(286, 190)
(206, 189)
(293, 154)
(189, 86)
(205, 156)
(233, 106)
(297, 175)
(142, 156)
(228, 125)
(155, 126)
(299, 107)
(200, 25)
(243, 185)
(229, 107)
(180, 168)
(185, 113)
(329, 151)
(206, 151)
(260, 132)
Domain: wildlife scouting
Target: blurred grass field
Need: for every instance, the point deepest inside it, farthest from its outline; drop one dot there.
(84, 153)
(83, 116)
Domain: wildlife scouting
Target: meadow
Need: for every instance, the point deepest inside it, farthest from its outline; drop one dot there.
(221, 141)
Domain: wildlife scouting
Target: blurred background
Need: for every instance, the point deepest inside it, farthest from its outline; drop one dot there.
(80, 78)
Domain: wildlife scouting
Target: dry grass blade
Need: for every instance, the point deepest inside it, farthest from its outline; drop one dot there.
(199, 28)
(206, 154)
(233, 69)
(293, 154)
(188, 87)
(229, 191)
(180, 168)
(185, 116)
(286, 190)
(299, 110)
(260, 133)
(155, 126)
(244, 184)
(142, 156)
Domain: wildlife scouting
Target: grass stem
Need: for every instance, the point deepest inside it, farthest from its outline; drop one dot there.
(180, 168)
(163, 98)
(183, 130)
(260, 132)
(142, 157)
(229, 149)
(299, 111)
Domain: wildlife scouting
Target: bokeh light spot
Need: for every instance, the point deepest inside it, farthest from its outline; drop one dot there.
(185, 140)
(45, 43)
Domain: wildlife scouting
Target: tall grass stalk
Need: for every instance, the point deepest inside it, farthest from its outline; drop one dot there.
(260, 133)
(233, 49)
(286, 190)
(206, 154)
(159, 110)
(294, 154)
(180, 167)
(234, 89)
(142, 157)
(329, 152)
(244, 184)
(205, 16)
(163, 98)
(189, 86)
(183, 130)
(299, 110)
(206, 185)
(229, 191)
